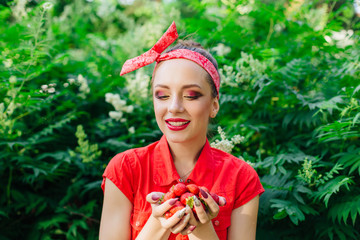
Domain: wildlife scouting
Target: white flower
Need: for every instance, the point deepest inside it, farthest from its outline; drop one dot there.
(116, 115)
(224, 144)
(8, 63)
(221, 49)
(71, 81)
(11, 108)
(108, 97)
(138, 87)
(237, 139)
(119, 105)
(132, 130)
(12, 79)
(44, 87)
(80, 78)
(47, 6)
(51, 90)
(130, 109)
(342, 38)
(66, 85)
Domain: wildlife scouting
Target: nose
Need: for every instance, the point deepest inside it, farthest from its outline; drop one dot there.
(176, 105)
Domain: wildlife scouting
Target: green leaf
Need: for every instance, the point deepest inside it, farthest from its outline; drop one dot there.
(332, 187)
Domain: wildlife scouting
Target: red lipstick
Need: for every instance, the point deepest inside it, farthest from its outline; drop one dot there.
(177, 124)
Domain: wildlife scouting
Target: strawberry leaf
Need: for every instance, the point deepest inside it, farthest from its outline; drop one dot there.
(190, 202)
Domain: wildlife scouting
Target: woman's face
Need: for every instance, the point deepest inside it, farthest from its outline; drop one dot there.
(182, 100)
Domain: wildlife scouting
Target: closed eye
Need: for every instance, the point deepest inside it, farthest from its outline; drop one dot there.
(193, 95)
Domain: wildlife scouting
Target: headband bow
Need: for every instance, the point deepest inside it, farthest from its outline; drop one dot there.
(154, 54)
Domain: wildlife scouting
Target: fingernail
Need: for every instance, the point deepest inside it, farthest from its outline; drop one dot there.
(155, 197)
(173, 201)
(197, 201)
(203, 193)
(191, 228)
(181, 213)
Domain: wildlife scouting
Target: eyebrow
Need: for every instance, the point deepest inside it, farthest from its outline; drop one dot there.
(184, 87)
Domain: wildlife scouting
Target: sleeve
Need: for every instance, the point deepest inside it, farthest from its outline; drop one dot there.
(248, 187)
(120, 172)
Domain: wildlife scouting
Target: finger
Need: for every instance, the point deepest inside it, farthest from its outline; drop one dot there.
(189, 229)
(192, 221)
(181, 225)
(154, 197)
(200, 211)
(213, 206)
(160, 210)
(173, 220)
(222, 201)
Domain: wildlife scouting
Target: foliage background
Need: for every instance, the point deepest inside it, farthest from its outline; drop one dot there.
(290, 87)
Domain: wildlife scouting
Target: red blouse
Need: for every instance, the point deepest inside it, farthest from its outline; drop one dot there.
(137, 172)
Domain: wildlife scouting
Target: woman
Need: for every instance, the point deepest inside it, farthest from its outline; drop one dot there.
(185, 89)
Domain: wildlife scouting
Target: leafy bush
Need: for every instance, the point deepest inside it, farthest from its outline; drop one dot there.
(290, 88)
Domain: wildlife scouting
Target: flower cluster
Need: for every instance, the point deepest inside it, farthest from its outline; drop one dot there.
(247, 69)
(221, 49)
(138, 87)
(82, 83)
(119, 105)
(8, 63)
(86, 151)
(224, 144)
(48, 88)
(308, 174)
(341, 39)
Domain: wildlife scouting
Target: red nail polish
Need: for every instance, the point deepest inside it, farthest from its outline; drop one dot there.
(203, 194)
(173, 201)
(192, 228)
(155, 197)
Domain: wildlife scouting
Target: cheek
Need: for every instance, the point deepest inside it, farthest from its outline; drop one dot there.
(201, 111)
(158, 109)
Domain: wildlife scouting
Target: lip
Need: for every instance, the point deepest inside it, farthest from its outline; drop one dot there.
(176, 128)
(176, 120)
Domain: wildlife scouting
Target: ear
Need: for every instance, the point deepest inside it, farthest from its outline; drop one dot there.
(215, 108)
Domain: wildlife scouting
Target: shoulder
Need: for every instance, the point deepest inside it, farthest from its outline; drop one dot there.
(134, 155)
(227, 160)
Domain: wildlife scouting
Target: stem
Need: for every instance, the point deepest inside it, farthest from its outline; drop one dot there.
(271, 30)
(33, 48)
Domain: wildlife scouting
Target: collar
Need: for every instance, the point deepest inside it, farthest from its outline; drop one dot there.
(165, 172)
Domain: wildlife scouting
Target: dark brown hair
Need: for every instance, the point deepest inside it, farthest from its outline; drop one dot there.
(196, 47)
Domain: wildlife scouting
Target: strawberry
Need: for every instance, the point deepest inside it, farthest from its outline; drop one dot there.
(185, 196)
(193, 188)
(177, 206)
(167, 196)
(215, 197)
(179, 189)
(168, 215)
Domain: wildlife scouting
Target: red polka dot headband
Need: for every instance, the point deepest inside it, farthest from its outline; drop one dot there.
(154, 54)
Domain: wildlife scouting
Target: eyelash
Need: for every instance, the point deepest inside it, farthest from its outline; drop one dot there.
(192, 97)
(161, 97)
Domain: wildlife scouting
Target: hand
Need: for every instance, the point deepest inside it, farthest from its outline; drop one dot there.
(179, 222)
(205, 217)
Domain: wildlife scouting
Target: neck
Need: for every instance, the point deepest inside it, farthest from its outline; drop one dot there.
(185, 155)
